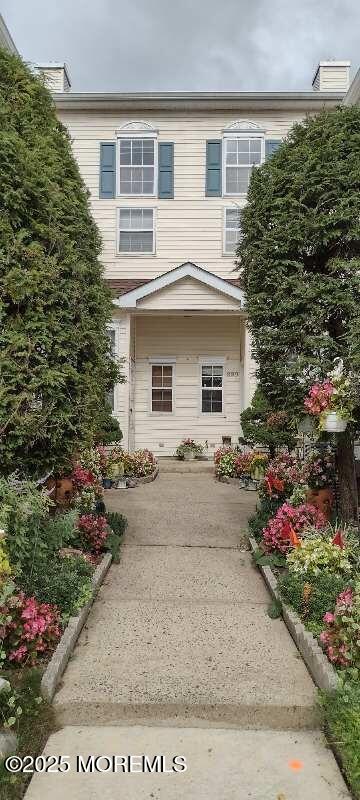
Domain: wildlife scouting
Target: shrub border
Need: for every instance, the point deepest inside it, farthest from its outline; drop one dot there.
(322, 672)
(57, 665)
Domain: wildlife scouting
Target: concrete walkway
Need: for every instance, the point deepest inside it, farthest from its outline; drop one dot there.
(179, 657)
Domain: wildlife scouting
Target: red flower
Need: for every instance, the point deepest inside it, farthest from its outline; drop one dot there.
(339, 539)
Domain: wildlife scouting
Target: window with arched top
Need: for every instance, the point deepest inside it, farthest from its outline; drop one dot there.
(137, 160)
(243, 150)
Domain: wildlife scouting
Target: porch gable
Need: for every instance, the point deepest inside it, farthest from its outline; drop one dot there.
(187, 287)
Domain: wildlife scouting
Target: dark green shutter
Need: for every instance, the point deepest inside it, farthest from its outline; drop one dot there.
(166, 171)
(271, 146)
(107, 188)
(213, 168)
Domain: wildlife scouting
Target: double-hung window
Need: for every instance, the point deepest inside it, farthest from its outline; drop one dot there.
(137, 162)
(241, 155)
(136, 230)
(232, 233)
(212, 378)
(162, 388)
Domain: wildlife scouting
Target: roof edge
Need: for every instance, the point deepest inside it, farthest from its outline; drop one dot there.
(111, 100)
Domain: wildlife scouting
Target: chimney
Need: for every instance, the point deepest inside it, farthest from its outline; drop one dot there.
(332, 76)
(56, 76)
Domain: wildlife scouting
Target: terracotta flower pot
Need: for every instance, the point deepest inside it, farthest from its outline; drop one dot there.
(323, 499)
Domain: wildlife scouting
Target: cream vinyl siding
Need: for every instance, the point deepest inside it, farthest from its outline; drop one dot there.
(189, 341)
(189, 227)
(188, 294)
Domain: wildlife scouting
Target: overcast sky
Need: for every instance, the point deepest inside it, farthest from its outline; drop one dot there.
(150, 45)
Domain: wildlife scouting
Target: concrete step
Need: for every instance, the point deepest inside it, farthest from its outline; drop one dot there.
(193, 467)
(186, 662)
(221, 765)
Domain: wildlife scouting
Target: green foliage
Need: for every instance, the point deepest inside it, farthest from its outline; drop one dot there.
(65, 582)
(118, 525)
(342, 721)
(23, 508)
(56, 360)
(33, 726)
(259, 521)
(263, 559)
(262, 427)
(275, 609)
(300, 256)
(108, 429)
(317, 555)
(318, 597)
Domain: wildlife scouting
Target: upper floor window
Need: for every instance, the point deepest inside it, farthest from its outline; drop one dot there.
(232, 222)
(243, 149)
(241, 155)
(136, 230)
(137, 166)
(137, 159)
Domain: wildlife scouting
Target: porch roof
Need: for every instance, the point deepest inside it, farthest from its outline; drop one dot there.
(132, 293)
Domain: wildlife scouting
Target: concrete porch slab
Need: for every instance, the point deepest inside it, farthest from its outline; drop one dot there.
(221, 765)
(210, 514)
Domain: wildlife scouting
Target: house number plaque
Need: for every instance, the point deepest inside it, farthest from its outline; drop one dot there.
(232, 374)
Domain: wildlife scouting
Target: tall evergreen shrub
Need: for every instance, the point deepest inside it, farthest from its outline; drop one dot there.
(56, 365)
(300, 256)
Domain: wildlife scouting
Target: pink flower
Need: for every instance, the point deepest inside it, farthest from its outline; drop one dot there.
(328, 617)
(277, 534)
(19, 654)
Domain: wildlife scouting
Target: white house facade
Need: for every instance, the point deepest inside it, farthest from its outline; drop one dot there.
(168, 175)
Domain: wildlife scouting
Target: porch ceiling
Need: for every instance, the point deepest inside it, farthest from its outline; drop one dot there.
(185, 288)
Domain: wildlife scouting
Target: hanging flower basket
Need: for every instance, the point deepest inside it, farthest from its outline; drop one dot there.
(333, 423)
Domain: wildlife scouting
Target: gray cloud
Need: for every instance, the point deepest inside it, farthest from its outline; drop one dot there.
(150, 45)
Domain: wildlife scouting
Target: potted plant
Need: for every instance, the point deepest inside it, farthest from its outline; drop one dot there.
(188, 450)
(333, 400)
(318, 475)
(243, 470)
(116, 472)
(258, 465)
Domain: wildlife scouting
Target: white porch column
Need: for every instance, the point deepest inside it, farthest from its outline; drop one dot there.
(249, 368)
(122, 325)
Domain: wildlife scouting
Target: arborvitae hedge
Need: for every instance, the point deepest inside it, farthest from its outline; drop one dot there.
(55, 360)
(300, 255)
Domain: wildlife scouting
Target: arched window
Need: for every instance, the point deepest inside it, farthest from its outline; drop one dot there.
(243, 149)
(137, 160)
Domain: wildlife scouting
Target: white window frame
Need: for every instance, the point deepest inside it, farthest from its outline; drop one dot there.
(114, 326)
(212, 362)
(123, 253)
(161, 361)
(138, 134)
(229, 208)
(251, 134)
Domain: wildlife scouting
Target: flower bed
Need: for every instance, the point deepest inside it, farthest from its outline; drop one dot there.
(313, 568)
(234, 463)
(120, 464)
(47, 562)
